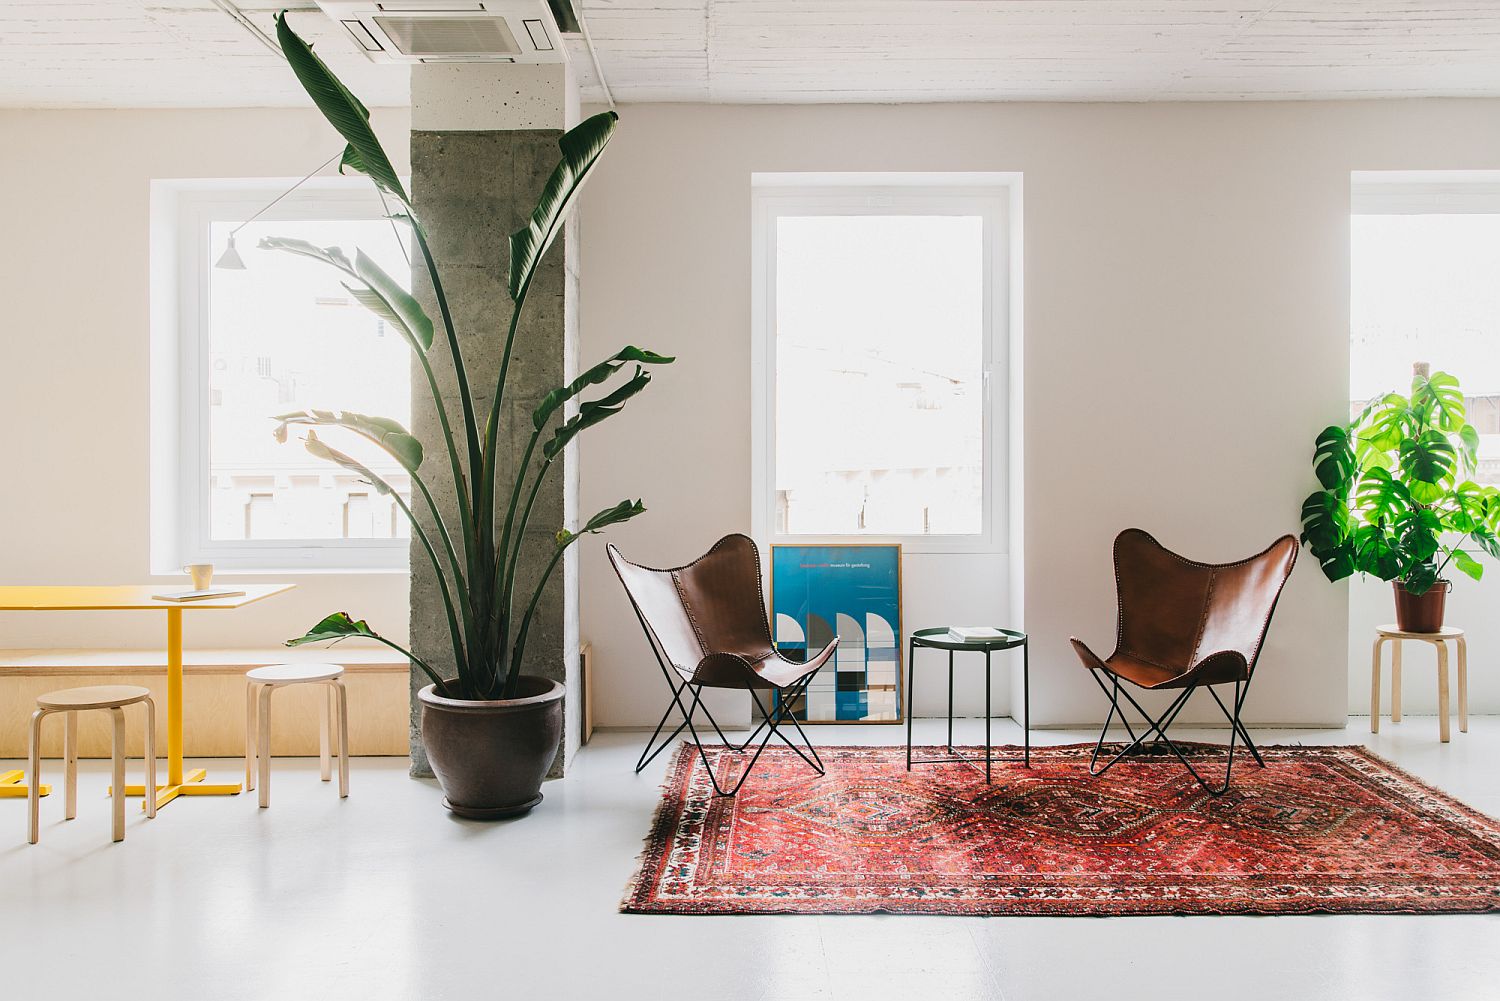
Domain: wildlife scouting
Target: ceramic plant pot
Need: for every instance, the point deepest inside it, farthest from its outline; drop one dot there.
(1421, 613)
(491, 757)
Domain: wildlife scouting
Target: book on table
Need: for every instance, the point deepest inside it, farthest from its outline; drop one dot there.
(970, 634)
(204, 595)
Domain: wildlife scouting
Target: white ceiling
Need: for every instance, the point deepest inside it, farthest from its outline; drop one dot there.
(190, 53)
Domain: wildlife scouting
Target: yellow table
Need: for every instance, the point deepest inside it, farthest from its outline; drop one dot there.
(134, 598)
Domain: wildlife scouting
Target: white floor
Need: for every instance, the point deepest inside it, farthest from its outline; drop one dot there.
(384, 896)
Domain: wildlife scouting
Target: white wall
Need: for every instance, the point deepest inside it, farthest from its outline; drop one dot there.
(1186, 335)
(74, 361)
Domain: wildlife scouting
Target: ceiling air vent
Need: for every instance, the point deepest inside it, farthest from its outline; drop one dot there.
(409, 31)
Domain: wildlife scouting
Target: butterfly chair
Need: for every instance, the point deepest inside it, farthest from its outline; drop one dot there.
(1183, 626)
(706, 623)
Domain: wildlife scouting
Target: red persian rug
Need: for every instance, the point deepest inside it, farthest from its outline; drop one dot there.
(1320, 829)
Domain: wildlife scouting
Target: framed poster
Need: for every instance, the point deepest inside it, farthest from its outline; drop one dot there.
(853, 592)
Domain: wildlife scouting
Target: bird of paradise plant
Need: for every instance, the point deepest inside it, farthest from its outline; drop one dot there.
(476, 572)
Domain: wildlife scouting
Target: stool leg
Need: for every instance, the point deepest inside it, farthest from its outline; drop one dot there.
(250, 690)
(150, 762)
(325, 772)
(117, 758)
(1463, 685)
(1396, 681)
(1442, 658)
(70, 765)
(1375, 685)
(263, 745)
(343, 706)
(33, 792)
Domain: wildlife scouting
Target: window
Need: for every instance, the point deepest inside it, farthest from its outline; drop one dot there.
(881, 318)
(1424, 252)
(234, 348)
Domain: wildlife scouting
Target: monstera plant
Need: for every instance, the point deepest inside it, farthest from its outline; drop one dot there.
(490, 762)
(1396, 499)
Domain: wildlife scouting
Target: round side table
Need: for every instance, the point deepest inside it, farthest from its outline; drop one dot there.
(1390, 634)
(938, 638)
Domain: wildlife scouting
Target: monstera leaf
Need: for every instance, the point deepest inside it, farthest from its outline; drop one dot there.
(1439, 400)
(1428, 462)
(1380, 497)
(1333, 458)
(581, 146)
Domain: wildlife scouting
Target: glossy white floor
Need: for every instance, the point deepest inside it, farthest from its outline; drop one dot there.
(384, 896)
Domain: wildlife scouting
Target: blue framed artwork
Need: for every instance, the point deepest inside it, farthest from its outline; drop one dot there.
(849, 591)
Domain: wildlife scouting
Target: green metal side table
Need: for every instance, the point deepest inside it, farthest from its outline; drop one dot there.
(938, 638)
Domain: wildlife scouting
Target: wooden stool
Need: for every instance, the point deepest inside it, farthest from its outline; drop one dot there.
(71, 702)
(1394, 636)
(263, 681)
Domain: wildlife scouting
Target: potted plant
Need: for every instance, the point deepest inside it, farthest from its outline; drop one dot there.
(1397, 502)
(491, 731)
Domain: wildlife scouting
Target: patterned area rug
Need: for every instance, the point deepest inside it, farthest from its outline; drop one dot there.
(1320, 829)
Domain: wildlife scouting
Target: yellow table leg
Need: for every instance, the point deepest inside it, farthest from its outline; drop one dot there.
(179, 783)
(13, 785)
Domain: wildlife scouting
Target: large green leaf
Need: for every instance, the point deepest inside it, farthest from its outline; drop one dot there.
(408, 311)
(342, 109)
(594, 411)
(1468, 438)
(1468, 564)
(1375, 554)
(1419, 578)
(1428, 461)
(320, 448)
(383, 431)
(581, 147)
(1439, 400)
(1380, 497)
(338, 626)
(1333, 459)
(599, 373)
(1388, 423)
(623, 511)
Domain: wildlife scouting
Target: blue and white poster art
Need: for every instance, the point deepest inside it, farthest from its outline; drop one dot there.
(853, 592)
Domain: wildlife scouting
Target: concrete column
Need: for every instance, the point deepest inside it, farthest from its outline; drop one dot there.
(483, 142)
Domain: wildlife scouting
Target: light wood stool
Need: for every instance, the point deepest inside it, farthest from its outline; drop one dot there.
(1392, 635)
(70, 703)
(335, 716)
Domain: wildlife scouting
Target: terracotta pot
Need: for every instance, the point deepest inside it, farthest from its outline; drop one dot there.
(491, 757)
(1421, 613)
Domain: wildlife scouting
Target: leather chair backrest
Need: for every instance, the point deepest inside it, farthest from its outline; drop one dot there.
(1175, 611)
(713, 605)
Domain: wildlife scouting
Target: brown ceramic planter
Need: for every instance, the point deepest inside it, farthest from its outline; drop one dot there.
(1421, 613)
(491, 757)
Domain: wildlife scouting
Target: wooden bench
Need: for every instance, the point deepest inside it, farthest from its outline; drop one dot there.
(214, 698)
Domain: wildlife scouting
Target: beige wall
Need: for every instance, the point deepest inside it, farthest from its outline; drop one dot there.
(1186, 317)
(1186, 294)
(74, 361)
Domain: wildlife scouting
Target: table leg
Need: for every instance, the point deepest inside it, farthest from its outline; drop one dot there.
(1026, 696)
(911, 679)
(1375, 685)
(950, 701)
(179, 782)
(989, 751)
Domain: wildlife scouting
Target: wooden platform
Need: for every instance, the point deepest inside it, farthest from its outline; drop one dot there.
(214, 683)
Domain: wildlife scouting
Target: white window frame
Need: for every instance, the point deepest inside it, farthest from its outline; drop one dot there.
(182, 213)
(993, 196)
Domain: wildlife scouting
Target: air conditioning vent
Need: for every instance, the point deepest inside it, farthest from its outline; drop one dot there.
(411, 31)
(421, 36)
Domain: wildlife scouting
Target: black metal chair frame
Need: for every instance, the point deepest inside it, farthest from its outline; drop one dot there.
(771, 721)
(1160, 724)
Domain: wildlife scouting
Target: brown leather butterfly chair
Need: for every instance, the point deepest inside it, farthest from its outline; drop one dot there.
(1186, 625)
(706, 623)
